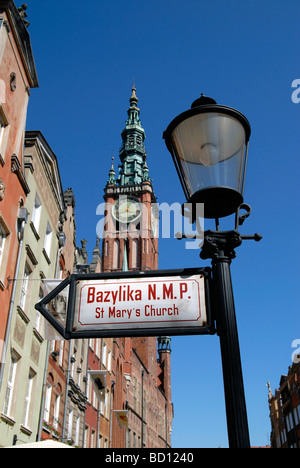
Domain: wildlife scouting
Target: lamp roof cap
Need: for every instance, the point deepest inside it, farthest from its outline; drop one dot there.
(203, 101)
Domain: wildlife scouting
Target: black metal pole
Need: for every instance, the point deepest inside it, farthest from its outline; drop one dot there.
(142, 438)
(219, 246)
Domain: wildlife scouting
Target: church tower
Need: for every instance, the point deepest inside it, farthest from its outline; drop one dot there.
(130, 241)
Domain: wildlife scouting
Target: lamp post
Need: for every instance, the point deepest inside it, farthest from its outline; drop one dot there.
(209, 146)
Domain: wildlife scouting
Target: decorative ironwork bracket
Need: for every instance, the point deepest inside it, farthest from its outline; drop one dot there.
(220, 244)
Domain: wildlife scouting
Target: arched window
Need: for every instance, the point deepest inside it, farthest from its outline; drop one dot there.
(135, 253)
(116, 258)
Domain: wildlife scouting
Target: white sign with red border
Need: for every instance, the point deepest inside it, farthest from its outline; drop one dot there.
(140, 303)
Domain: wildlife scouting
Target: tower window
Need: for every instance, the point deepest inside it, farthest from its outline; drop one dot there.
(135, 253)
(116, 257)
(131, 140)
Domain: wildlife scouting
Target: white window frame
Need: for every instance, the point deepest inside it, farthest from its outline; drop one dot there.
(38, 317)
(24, 289)
(70, 425)
(93, 438)
(86, 433)
(48, 240)
(104, 354)
(109, 355)
(61, 353)
(52, 346)
(3, 236)
(102, 405)
(3, 125)
(28, 398)
(4, 250)
(106, 403)
(89, 388)
(36, 214)
(37, 324)
(56, 412)
(77, 431)
(97, 346)
(2, 129)
(48, 403)
(10, 385)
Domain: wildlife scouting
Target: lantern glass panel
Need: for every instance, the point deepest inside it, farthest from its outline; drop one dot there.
(210, 149)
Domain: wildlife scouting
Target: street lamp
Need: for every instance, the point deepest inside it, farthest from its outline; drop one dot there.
(209, 146)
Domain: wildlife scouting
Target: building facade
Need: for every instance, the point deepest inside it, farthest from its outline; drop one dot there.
(17, 77)
(141, 392)
(98, 414)
(284, 407)
(26, 353)
(55, 389)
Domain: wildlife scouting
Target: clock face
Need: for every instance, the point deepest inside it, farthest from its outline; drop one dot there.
(126, 210)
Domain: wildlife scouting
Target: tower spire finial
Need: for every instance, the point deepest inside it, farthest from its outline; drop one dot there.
(112, 174)
(132, 151)
(133, 100)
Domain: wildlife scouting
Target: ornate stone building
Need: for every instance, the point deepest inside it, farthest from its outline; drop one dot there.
(284, 407)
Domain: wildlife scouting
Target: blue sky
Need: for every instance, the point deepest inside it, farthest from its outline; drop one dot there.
(243, 54)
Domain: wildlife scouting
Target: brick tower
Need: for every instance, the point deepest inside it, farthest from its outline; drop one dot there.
(129, 238)
(130, 244)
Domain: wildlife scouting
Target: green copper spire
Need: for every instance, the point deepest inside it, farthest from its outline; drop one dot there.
(146, 177)
(112, 174)
(164, 344)
(133, 168)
